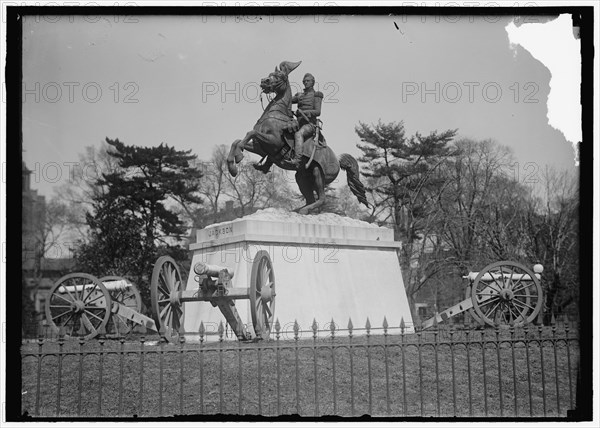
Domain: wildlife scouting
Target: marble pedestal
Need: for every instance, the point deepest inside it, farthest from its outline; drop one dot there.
(327, 267)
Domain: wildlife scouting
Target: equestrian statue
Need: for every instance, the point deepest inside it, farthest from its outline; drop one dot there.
(296, 144)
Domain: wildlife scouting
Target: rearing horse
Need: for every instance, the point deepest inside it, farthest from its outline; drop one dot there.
(273, 138)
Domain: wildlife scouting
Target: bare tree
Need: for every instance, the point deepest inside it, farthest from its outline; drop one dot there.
(551, 226)
(82, 187)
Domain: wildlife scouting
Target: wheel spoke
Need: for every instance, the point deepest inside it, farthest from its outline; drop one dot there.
(66, 287)
(162, 312)
(502, 277)
(64, 323)
(91, 326)
(61, 297)
(163, 278)
(514, 287)
(503, 314)
(171, 276)
(58, 316)
(493, 309)
(523, 287)
(163, 290)
(89, 294)
(492, 274)
(94, 315)
(519, 313)
(96, 298)
(268, 311)
(168, 316)
(524, 305)
(488, 301)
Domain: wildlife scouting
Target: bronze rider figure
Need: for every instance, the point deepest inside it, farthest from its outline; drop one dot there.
(309, 109)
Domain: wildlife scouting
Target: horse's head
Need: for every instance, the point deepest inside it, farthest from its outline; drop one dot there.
(277, 81)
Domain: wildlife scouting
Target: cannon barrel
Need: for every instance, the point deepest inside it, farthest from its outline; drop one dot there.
(202, 268)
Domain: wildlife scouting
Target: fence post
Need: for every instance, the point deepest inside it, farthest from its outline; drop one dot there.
(315, 356)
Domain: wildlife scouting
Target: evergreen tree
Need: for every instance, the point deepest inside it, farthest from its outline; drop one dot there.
(403, 169)
(135, 219)
(406, 166)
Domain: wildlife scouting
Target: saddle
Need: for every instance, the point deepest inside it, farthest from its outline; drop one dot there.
(287, 152)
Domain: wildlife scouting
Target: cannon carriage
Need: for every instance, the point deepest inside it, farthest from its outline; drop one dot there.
(82, 305)
(504, 293)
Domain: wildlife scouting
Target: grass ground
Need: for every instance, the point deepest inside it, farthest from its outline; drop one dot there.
(394, 376)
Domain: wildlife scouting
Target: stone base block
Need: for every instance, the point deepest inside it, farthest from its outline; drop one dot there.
(327, 268)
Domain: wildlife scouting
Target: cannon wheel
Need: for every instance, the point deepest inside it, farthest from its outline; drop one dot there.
(167, 310)
(129, 297)
(262, 295)
(504, 300)
(80, 311)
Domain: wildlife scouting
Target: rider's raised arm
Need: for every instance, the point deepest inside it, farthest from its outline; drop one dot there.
(317, 105)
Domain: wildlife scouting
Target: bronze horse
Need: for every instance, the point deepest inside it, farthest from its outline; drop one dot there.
(273, 138)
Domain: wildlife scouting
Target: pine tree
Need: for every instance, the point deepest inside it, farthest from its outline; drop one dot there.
(406, 166)
(135, 219)
(403, 171)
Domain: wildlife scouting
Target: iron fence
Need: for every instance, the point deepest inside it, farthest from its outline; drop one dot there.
(450, 371)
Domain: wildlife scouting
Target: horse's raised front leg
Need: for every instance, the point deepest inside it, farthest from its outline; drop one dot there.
(236, 154)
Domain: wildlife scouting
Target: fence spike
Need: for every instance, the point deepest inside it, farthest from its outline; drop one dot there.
(350, 326)
(61, 332)
(539, 320)
(296, 329)
(40, 332)
(385, 325)
(81, 332)
(202, 329)
(315, 327)
(277, 326)
(402, 325)
(332, 327)
(221, 330)
(368, 325)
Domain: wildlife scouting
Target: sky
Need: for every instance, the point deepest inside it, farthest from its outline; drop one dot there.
(192, 82)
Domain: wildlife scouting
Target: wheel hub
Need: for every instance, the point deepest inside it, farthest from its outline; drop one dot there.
(174, 298)
(267, 294)
(506, 294)
(78, 306)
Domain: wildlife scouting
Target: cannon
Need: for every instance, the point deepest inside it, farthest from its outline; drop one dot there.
(83, 304)
(168, 294)
(504, 293)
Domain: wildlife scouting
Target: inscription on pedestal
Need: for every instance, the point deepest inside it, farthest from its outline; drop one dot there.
(220, 232)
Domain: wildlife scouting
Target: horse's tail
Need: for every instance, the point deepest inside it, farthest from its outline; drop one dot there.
(350, 165)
